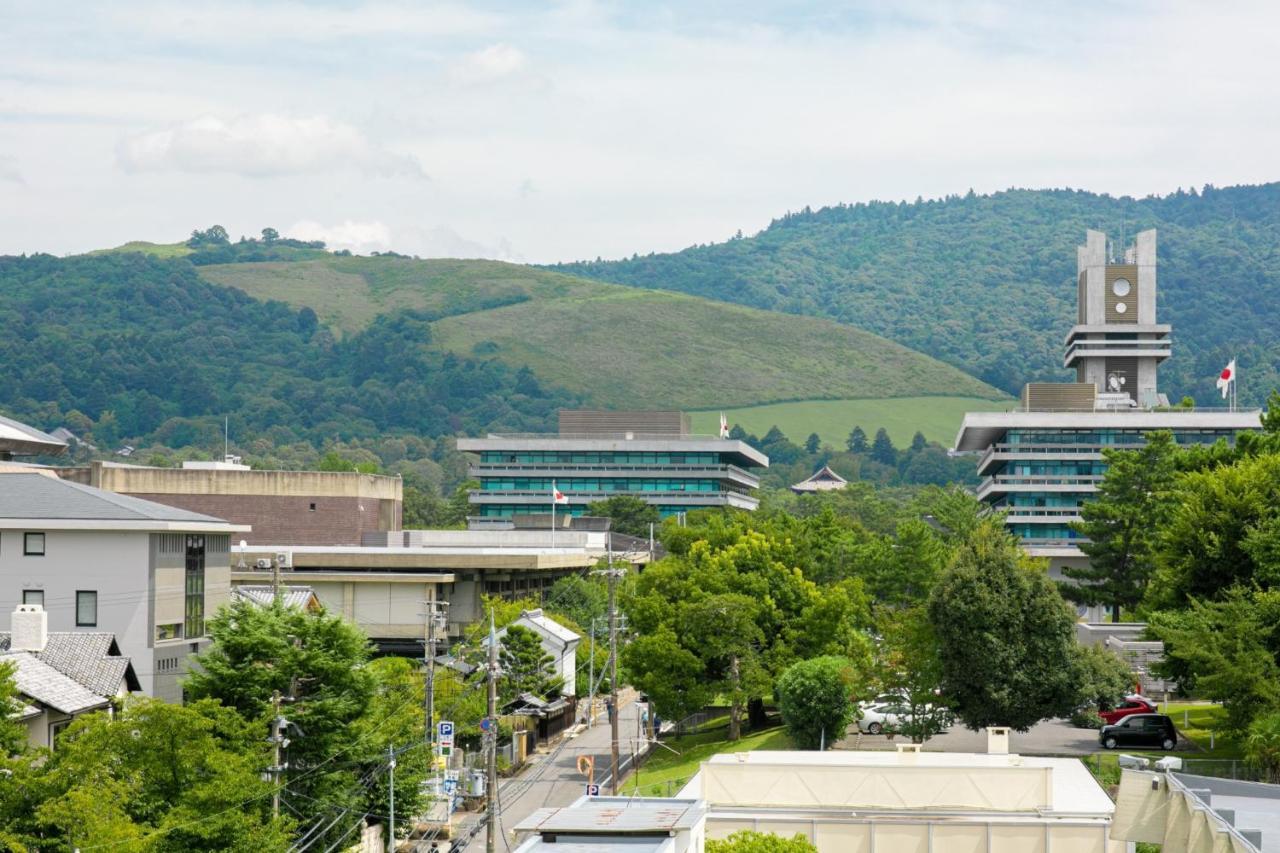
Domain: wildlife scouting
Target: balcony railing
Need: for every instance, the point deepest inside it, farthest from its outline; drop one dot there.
(525, 468)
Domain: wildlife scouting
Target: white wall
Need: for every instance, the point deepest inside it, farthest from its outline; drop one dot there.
(115, 564)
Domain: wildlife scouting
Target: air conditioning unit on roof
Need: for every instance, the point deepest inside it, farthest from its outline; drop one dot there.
(284, 560)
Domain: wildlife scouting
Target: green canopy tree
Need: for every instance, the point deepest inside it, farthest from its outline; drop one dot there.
(908, 664)
(1123, 524)
(815, 696)
(813, 443)
(630, 514)
(750, 841)
(1006, 638)
(882, 449)
(157, 776)
(319, 660)
(526, 666)
(857, 441)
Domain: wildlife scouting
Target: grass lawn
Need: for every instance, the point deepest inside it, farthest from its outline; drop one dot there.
(664, 772)
(937, 417)
(1201, 719)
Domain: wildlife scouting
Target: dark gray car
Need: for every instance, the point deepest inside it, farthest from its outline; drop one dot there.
(1151, 730)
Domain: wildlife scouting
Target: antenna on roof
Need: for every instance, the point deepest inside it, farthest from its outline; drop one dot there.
(226, 437)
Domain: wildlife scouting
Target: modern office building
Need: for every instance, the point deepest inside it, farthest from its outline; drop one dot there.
(596, 455)
(384, 584)
(147, 573)
(1042, 460)
(300, 507)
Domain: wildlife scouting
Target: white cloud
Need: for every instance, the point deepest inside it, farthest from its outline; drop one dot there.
(492, 63)
(262, 145)
(359, 237)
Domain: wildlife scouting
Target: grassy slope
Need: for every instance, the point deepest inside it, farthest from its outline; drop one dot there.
(937, 417)
(623, 346)
(159, 250)
(665, 772)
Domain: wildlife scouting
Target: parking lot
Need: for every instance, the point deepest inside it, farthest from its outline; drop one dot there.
(1052, 737)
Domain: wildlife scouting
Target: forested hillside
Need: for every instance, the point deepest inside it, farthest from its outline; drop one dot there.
(987, 283)
(128, 346)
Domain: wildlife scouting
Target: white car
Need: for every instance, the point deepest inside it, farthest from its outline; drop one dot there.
(876, 716)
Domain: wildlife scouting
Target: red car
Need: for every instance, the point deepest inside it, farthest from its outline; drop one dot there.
(1130, 705)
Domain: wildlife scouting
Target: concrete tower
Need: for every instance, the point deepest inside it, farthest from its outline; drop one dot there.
(1116, 343)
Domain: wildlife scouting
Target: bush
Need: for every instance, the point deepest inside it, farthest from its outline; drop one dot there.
(1086, 718)
(1262, 745)
(814, 697)
(750, 841)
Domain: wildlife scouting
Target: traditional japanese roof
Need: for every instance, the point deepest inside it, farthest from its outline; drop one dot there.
(36, 680)
(301, 597)
(92, 659)
(823, 480)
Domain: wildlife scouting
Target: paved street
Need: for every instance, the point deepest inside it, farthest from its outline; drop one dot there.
(553, 779)
(1052, 737)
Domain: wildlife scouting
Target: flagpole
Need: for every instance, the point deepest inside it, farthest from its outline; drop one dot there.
(553, 513)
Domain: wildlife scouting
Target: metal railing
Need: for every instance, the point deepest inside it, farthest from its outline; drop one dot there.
(608, 436)
(523, 468)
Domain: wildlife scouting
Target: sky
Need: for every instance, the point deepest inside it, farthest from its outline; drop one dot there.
(543, 132)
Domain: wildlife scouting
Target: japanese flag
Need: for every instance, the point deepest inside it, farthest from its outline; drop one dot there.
(1227, 376)
(558, 496)
(724, 426)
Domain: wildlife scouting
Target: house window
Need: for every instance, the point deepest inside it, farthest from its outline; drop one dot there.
(86, 608)
(33, 544)
(55, 731)
(33, 596)
(194, 624)
(313, 507)
(169, 632)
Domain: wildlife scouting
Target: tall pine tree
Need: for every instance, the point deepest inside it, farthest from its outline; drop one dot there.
(1122, 525)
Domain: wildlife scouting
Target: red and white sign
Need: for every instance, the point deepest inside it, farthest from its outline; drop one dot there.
(1225, 378)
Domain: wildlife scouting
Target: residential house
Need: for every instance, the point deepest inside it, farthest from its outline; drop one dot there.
(60, 675)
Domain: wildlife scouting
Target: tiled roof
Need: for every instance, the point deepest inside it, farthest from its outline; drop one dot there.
(32, 495)
(17, 437)
(36, 680)
(90, 658)
(822, 479)
(290, 596)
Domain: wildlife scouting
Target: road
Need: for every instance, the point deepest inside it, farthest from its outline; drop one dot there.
(1050, 737)
(553, 779)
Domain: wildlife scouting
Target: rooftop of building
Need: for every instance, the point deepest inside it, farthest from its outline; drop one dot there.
(618, 816)
(1255, 805)
(75, 671)
(903, 780)
(30, 496)
(824, 479)
(300, 597)
(19, 439)
(227, 478)
(980, 430)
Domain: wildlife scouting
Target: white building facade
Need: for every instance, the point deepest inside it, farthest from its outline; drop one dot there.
(152, 575)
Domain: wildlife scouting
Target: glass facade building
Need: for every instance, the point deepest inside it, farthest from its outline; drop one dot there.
(1041, 461)
(674, 472)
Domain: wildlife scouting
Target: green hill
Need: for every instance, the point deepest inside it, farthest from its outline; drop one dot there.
(987, 283)
(614, 346)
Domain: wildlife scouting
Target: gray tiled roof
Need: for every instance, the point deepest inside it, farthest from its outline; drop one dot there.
(32, 495)
(90, 658)
(290, 596)
(17, 437)
(36, 680)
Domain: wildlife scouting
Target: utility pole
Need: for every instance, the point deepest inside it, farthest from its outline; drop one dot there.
(491, 786)
(434, 623)
(612, 575)
(591, 676)
(391, 831)
(275, 579)
(277, 742)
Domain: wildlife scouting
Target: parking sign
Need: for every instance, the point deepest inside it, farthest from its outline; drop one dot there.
(445, 729)
(593, 790)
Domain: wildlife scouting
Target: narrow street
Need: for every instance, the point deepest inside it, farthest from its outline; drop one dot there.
(553, 779)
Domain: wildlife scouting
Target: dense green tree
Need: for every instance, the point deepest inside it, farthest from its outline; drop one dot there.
(1225, 651)
(631, 515)
(908, 664)
(13, 734)
(1102, 679)
(882, 449)
(1262, 746)
(156, 776)
(1122, 525)
(671, 675)
(918, 442)
(270, 235)
(1006, 637)
(526, 666)
(1223, 531)
(320, 661)
(815, 696)
(750, 841)
(813, 443)
(857, 441)
(582, 599)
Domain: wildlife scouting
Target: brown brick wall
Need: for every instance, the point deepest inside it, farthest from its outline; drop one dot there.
(289, 520)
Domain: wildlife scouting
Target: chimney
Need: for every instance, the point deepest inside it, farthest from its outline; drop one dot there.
(997, 740)
(30, 629)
